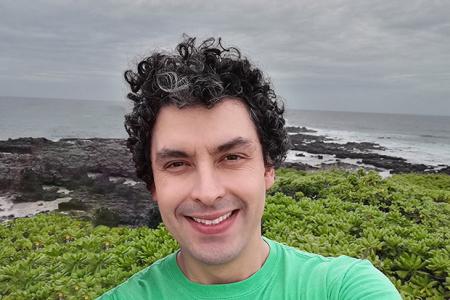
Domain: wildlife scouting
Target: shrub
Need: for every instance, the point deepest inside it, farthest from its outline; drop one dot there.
(400, 224)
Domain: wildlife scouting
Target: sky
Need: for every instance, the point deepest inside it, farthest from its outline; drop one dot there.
(372, 56)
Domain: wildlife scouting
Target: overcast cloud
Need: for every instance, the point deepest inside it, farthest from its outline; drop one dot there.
(378, 56)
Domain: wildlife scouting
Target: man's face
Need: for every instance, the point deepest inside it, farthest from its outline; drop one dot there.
(210, 179)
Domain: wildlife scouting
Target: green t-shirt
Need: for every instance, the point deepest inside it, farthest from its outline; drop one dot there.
(287, 274)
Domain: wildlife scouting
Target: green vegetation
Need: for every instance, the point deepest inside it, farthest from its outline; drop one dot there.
(56, 257)
(400, 224)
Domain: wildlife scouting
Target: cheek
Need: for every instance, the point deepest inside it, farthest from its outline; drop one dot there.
(166, 199)
(169, 193)
(162, 186)
(249, 187)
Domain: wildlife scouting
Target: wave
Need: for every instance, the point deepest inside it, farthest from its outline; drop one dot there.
(434, 136)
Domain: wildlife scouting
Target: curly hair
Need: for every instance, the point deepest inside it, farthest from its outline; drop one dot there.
(200, 75)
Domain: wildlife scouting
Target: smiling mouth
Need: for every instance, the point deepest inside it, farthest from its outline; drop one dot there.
(214, 221)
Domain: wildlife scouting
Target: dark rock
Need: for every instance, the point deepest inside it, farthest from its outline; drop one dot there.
(339, 165)
(295, 129)
(364, 152)
(102, 185)
(30, 181)
(50, 195)
(52, 189)
(26, 164)
(298, 166)
(106, 216)
(21, 149)
(445, 170)
(28, 197)
(72, 205)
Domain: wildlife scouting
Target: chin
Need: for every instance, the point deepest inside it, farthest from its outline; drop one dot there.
(215, 255)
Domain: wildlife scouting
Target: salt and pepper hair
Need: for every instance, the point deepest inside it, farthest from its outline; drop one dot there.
(200, 75)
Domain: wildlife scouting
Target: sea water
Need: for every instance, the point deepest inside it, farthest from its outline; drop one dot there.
(418, 138)
(60, 118)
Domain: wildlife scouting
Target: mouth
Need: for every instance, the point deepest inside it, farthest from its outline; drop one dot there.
(213, 225)
(214, 221)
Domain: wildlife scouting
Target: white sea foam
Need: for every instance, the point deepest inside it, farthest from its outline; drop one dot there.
(413, 150)
(417, 138)
(24, 209)
(327, 159)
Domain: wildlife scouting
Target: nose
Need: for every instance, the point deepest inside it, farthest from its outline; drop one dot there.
(207, 186)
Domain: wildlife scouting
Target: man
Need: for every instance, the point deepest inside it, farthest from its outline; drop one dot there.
(206, 133)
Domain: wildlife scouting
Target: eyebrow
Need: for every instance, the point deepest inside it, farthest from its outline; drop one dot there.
(236, 142)
(167, 153)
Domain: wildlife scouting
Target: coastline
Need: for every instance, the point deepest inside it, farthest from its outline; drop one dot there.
(310, 151)
(94, 178)
(91, 178)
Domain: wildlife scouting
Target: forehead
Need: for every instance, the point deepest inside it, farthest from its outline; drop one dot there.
(198, 125)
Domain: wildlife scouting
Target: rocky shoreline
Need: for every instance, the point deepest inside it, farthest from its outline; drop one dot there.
(351, 155)
(95, 178)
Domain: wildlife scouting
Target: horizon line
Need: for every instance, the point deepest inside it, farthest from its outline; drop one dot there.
(286, 106)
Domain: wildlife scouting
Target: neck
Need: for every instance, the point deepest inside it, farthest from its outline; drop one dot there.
(240, 268)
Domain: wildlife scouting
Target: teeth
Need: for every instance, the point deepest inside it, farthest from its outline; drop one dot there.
(213, 222)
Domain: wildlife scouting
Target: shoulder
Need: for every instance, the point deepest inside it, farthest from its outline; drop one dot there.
(340, 277)
(334, 267)
(145, 282)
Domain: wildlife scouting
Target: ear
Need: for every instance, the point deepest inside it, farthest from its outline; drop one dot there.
(269, 177)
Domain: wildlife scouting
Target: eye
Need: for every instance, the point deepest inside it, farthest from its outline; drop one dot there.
(232, 157)
(175, 165)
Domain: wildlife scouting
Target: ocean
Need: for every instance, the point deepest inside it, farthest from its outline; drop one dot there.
(60, 118)
(418, 138)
